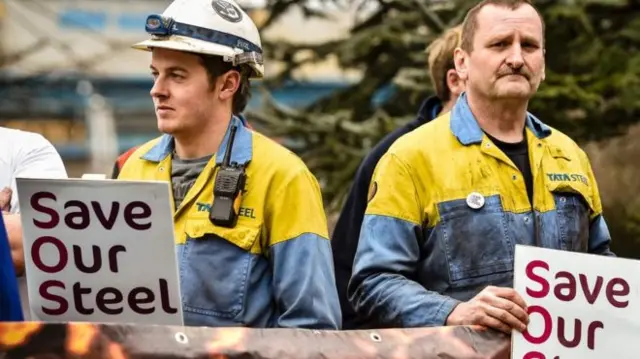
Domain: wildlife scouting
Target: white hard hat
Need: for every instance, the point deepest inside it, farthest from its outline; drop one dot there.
(212, 27)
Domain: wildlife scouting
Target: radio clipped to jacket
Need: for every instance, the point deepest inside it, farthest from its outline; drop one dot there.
(227, 189)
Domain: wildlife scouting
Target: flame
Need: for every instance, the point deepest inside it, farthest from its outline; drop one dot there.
(80, 337)
(12, 334)
(115, 351)
(227, 338)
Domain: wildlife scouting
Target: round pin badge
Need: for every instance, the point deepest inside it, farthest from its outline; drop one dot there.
(475, 200)
(226, 10)
(372, 191)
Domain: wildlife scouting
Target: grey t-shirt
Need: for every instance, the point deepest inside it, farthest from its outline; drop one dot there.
(184, 174)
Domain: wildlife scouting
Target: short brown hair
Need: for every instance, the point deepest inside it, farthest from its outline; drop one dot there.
(470, 22)
(216, 67)
(440, 60)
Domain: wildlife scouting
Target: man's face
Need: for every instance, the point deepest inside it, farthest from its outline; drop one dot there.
(181, 92)
(507, 60)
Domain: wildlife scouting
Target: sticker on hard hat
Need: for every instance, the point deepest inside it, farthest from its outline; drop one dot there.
(227, 10)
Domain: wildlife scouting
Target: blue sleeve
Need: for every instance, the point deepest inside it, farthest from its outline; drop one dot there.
(387, 257)
(599, 237)
(346, 233)
(304, 283)
(10, 306)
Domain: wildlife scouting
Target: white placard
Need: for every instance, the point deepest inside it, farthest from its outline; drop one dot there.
(100, 251)
(581, 305)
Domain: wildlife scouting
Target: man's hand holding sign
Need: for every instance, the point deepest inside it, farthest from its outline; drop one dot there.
(499, 308)
(580, 305)
(100, 251)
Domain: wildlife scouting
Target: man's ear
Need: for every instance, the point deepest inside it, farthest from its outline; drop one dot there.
(460, 62)
(454, 82)
(228, 83)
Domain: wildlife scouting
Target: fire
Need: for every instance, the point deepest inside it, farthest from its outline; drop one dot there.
(227, 338)
(13, 334)
(116, 352)
(79, 338)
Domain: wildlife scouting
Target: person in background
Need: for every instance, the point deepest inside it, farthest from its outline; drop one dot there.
(450, 200)
(344, 240)
(253, 249)
(120, 161)
(23, 154)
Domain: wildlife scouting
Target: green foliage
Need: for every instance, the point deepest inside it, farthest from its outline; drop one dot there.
(593, 74)
(591, 92)
(624, 226)
(615, 162)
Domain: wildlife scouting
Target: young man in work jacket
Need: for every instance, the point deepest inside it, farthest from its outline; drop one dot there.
(273, 267)
(344, 240)
(437, 243)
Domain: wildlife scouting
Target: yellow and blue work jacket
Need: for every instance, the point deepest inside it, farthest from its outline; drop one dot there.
(447, 208)
(275, 267)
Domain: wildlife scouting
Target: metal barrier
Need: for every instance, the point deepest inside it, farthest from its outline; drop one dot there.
(98, 341)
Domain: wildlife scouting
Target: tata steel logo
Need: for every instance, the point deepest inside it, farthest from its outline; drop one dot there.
(227, 10)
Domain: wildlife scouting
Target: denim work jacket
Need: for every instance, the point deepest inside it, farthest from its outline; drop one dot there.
(275, 267)
(443, 219)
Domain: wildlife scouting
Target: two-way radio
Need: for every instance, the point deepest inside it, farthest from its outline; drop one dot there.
(227, 190)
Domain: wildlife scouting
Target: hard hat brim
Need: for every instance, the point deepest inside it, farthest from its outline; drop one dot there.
(187, 44)
(182, 43)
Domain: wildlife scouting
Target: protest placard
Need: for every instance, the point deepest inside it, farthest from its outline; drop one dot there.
(580, 305)
(100, 251)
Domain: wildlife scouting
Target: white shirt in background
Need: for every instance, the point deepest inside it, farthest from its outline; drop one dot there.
(26, 154)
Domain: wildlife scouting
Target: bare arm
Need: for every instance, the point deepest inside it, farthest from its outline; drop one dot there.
(39, 159)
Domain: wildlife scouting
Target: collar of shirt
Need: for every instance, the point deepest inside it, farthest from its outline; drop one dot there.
(466, 128)
(242, 150)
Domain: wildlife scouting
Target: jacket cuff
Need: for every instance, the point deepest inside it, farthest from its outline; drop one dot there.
(447, 306)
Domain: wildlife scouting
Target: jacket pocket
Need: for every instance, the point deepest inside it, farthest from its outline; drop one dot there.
(476, 241)
(573, 208)
(215, 266)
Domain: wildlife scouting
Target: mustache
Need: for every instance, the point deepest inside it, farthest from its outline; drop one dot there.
(510, 71)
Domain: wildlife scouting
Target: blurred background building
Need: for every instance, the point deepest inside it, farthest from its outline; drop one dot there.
(67, 71)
